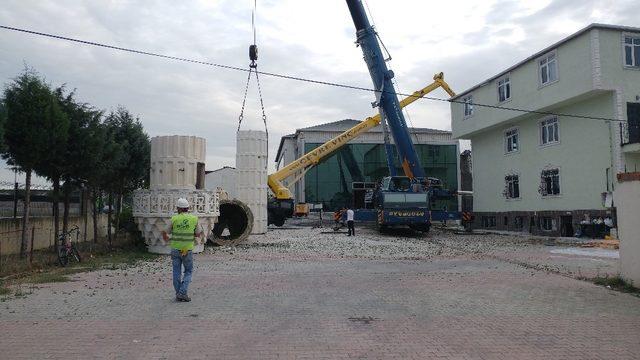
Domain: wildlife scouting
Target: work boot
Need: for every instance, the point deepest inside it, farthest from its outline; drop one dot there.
(183, 297)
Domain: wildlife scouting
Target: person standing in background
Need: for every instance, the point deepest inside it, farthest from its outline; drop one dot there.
(352, 230)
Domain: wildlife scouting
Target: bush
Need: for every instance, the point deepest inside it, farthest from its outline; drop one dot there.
(616, 283)
(128, 224)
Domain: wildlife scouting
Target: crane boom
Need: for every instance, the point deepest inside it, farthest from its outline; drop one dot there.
(388, 102)
(314, 156)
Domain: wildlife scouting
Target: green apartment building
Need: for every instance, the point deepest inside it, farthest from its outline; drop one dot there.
(541, 172)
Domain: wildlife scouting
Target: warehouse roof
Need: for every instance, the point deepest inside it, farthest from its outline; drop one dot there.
(222, 168)
(343, 125)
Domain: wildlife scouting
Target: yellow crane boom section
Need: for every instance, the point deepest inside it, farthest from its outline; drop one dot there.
(314, 156)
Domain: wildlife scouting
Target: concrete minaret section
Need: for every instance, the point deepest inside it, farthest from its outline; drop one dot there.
(174, 162)
(251, 171)
(177, 170)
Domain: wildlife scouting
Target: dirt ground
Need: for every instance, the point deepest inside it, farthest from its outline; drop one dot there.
(300, 292)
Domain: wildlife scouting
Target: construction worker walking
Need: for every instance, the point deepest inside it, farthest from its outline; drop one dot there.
(184, 229)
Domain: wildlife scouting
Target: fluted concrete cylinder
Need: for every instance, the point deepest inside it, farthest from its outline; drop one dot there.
(251, 171)
(174, 174)
(174, 161)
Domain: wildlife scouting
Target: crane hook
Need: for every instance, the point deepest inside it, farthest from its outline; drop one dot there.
(253, 55)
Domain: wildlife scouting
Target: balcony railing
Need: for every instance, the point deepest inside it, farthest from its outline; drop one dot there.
(629, 133)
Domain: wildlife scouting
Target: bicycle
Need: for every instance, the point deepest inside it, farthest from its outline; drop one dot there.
(66, 249)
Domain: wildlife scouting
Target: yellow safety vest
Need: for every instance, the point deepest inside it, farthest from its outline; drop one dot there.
(183, 227)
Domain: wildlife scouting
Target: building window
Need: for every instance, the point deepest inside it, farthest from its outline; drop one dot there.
(489, 221)
(504, 89)
(468, 106)
(512, 187)
(434, 151)
(505, 221)
(511, 140)
(632, 51)
(550, 182)
(549, 131)
(519, 222)
(548, 224)
(548, 68)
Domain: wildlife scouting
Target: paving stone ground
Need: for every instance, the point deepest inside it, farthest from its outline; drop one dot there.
(304, 294)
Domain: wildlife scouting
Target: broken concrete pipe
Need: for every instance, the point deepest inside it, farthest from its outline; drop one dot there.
(237, 219)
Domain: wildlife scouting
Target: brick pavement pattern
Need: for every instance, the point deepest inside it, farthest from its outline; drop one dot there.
(269, 302)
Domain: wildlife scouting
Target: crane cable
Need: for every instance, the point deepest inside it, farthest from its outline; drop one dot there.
(253, 68)
(394, 79)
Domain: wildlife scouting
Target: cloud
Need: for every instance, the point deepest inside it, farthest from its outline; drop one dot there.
(469, 41)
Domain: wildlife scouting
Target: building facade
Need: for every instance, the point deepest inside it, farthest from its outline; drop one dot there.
(224, 178)
(344, 177)
(466, 180)
(541, 171)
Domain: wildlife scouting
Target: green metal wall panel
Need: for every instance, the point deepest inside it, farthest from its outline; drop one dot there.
(330, 181)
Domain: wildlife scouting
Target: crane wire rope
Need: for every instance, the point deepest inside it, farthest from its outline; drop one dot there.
(253, 68)
(394, 79)
(253, 20)
(308, 80)
(388, 149)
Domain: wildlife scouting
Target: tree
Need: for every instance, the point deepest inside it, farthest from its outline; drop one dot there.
(56, 160)
(89, 155)
(34, 129)
(3, 120)
(131, 167)
(102, 152)
(82, 150)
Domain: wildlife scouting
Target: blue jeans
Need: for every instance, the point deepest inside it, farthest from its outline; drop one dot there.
(181, 284)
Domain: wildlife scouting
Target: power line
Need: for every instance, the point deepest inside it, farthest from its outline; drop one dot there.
(296, 78)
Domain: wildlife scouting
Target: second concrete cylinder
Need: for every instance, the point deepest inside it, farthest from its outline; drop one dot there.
(251, 171)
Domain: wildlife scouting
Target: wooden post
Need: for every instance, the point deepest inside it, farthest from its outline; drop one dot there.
(33, 233)
(85, 212)
(15, 200)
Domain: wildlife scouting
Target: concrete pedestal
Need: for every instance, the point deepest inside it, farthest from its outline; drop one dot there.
(177, 165)
(627, 201)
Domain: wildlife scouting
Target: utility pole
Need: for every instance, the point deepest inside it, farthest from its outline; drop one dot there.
(15, 190)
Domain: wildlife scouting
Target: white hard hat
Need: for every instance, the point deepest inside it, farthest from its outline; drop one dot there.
(183, 203)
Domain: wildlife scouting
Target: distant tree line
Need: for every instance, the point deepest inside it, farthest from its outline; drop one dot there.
(45, 130)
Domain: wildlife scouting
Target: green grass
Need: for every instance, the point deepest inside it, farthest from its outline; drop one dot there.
(117, 259)
(616, 283)
(48, 271)
(47, 277)
(3, 289)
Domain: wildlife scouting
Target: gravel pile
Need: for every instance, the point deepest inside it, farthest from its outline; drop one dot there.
(308, 243)
(370, 244)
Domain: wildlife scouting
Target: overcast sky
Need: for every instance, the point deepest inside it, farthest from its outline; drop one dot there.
(468, 40)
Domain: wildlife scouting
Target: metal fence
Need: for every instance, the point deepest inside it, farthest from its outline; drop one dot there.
(629, 133)
(36, 209)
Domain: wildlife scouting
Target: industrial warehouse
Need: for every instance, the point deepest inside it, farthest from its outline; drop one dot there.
(344, 177)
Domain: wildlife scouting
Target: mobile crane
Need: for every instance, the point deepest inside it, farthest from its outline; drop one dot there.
(281, 205)
(399, 200)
